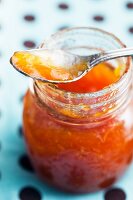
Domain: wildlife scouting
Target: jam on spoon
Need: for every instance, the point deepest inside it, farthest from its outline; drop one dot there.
(58, 66)
(49, 65)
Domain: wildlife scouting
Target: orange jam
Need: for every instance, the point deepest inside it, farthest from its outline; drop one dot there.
(84, 154)
(48, 65)
(99, 77)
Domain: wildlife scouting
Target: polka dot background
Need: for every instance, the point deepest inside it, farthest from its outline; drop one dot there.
(23, 25)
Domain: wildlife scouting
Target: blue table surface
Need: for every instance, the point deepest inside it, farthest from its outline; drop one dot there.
(25, 23)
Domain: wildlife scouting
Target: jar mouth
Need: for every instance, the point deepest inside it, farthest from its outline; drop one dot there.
(98, 93)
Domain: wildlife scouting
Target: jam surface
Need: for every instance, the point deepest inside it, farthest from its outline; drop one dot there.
(79, 158)
(96, 79)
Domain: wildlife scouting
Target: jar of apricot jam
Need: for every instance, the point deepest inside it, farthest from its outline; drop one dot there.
(80, 135)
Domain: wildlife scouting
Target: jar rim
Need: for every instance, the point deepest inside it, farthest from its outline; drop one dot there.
(103, 91)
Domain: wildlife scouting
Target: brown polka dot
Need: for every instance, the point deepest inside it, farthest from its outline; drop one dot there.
(131, 30)
(63, 6)
(98, 18)
(29, 18)
(115, 194)
(107, 182)
(29, 193)
(21, 98)
(29, 44)
(20, 130)
(129, 5)
(25, 163)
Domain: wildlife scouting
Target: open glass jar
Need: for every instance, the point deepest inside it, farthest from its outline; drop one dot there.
(80, 142)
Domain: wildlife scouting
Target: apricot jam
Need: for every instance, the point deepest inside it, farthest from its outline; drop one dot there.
(48, 65)
(99, 77)
(79, 135)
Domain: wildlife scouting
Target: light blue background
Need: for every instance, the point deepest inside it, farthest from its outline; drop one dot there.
(13, 85)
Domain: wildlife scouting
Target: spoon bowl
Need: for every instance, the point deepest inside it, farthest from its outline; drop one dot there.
(59, 66)
(56, 66)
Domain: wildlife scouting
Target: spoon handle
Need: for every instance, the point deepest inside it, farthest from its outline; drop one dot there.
(97, 58)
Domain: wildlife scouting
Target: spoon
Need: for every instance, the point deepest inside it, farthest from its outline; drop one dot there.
(59, 66)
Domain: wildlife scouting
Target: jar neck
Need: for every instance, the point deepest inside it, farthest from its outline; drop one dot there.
(84, 107)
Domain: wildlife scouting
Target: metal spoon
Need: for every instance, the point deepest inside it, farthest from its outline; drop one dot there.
(76, 66)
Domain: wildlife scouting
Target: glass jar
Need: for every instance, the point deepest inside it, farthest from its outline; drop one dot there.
(80, 142)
